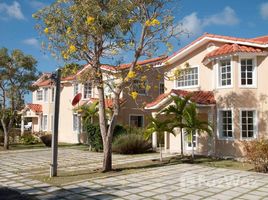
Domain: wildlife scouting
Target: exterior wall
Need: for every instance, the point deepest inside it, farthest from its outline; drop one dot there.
(235, 97)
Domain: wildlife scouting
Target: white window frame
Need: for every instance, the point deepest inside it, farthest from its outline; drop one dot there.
(255, 123)
(130, 115)
(218, 79)
(45, 94)
(74, 88)
(254, 74)
(91, 95)
(141, 94)
(160, 87)
(78, 121)
(192, 86)
(187, 148)
(219, 124)
(44, 125)
(36, 96)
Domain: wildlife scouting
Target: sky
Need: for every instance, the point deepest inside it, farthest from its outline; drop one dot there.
(239, 18)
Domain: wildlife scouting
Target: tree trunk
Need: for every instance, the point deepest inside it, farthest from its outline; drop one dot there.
(181, 141)
(192, 144)
(6, 135)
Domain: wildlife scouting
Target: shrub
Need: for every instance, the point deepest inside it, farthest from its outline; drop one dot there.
(46, 139)
(131, 144)
(29, 139)
(257, 154)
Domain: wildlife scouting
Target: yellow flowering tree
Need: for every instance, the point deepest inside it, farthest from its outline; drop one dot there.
(95, 32)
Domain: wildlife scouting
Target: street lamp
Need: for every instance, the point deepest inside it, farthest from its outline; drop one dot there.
(56, 78)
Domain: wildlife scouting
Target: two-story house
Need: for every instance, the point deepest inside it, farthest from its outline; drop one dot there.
(41, 110)
(228, 76)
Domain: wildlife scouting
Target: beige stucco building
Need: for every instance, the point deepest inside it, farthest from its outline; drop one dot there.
(227, 76)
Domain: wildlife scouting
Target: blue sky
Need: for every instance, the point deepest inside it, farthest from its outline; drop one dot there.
(238, 18)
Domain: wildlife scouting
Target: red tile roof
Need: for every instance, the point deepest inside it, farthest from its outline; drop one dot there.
(199, 97)
(35, 107)
(232, 48)
(260, 40)
(108, 102)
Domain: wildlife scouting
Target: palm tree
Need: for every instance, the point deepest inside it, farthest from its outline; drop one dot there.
(160, 127)
(88, 112)
(177, 110)
(192, 124)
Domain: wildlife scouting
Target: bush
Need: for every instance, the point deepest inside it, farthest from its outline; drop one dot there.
(257, 154)
(29, 139)
(94, 135)
(131, 144)
(47, 139)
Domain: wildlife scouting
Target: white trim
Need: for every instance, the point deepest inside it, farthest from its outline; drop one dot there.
(254, 74)
(142, 115)
(255, 123)
(191, 86)
(219, 124)
(195, 45)
(44, 129)
(218, 84)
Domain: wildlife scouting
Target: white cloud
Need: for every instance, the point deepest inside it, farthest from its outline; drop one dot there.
(264, 10)
(194, 25)
(37, 4)
(31, 42)
(11, 11)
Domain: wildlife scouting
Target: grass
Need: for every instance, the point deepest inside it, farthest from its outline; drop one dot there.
(135, 167)
(42, 146)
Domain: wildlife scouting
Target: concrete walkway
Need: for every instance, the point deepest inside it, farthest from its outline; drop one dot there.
(182, 181)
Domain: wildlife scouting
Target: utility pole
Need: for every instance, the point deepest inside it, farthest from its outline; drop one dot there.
(56, 77)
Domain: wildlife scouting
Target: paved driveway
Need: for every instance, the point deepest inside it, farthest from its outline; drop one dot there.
(182, 181)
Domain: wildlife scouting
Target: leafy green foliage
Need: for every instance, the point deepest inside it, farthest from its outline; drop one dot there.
(70, 69)
(29, 139)
(131, 144)
(46, 139)
(257, 154)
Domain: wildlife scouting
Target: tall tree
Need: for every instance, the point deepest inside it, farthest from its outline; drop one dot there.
(18, 71)
(177, 110)
(193, 125)
(95, 31)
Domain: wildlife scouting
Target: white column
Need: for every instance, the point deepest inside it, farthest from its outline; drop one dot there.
(39, 122)
(22, 125)
(166, 140)
(154, 136)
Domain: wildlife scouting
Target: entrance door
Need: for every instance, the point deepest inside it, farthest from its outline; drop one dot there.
(188, 140)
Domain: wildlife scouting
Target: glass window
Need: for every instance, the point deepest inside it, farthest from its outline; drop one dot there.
(248, 123)
(87, 90)
(136, 120)
(246, 72)
(52, 94)
(45, 94)
(161, 88)
(76, 89)
(44, 123)
(139, 86)
(39, 95)
(225, 73)
(226, 123)
(188, 77)
(189, 140)
(76, 122)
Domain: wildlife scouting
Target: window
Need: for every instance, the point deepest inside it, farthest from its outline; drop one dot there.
(45, 94)
(225, 73)
(226, 123)
(44, 123)
(136, 120)
(161, 88)
(76, 88)
(52, 94)
(87, 90)
(52, 122)
(139, 86)
(248, 123)
(247, 72)
(189, 142)
(188, 78)
(76, 122)
(39, 95)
